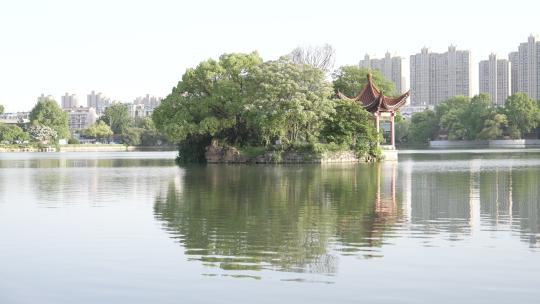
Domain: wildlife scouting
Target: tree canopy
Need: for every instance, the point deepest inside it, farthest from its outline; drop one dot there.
(49, 114)
(117, 117)
(99, 130)
(241, 100)
(522, 113)
(351, 79)
(464, 118)
(1, 109)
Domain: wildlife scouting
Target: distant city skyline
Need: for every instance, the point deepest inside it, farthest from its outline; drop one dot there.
(58, 46)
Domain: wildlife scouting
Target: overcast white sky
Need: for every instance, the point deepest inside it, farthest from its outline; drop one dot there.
(130, 48)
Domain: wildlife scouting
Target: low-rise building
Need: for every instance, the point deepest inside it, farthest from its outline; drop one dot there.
(80, 118)
(15, 118)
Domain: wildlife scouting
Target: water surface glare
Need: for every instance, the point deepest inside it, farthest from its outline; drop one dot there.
(132, 227)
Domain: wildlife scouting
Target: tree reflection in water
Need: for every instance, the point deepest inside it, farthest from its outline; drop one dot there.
(287, 218)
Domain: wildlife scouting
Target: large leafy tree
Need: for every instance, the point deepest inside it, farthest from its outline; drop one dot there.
(12, 133)
(351, 79)
(352, 127)
(49, 114)
(117, 117)
(289, 101)
(1, 109)
(99, 130)
(424, 127)
(522, 113)
(209, 101)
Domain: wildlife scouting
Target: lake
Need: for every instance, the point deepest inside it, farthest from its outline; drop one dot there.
(132, 227)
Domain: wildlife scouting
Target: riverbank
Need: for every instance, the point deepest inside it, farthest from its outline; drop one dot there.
(85, 148)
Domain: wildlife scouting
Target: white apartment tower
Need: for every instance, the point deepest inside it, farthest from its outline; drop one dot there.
(392, 68)
(437, 77)
(495, 79)
(98, 102)
(514, 63)
(43, 98)
(70, 101)
(528, 68)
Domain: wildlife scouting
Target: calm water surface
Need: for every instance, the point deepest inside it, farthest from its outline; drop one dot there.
(135, 228)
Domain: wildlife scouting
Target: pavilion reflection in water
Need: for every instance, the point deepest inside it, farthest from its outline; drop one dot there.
(303, 218)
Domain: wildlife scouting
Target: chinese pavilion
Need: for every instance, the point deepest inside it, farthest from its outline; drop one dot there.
(382, 107)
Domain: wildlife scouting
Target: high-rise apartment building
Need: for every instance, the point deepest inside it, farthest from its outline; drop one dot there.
(98, 102)
(528, 68)
(514, 63)
(494, 79)
(437, 77)
(148, 101)
(392, 68)
(44, 97)
(70, 101)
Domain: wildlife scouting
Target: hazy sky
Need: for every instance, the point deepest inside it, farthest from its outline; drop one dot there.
(130, 48)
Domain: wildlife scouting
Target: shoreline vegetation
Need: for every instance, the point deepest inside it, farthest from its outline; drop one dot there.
(82, 148)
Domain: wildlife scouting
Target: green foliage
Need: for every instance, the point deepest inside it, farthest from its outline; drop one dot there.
(240, 100)
(463, 118)
(493, 127)
(289, 101)
(12, 134)
(209, 101)
(424, 127)
(192, 149)
(150, 135)
(49, 114)
(1, 109)
(117, 117)
(350, 80)
(402, 129)
(522, 113)
(353, 127)
(99, 130)
(131, 136)
(73, 141)
(253, 151)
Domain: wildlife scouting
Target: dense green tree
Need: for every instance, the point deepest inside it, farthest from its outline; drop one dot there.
(209, 101)
(11, 134)
(150, 135)
(522, 113)
(493, 127)
(49, 114)
(117, 117)
(479, 111)
(289, 101)
(1, 109)
(352, 127)
(132, 136)
(350, 80)
(99, 130)
(424, 127)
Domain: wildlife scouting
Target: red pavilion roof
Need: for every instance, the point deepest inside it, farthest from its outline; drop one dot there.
(374, 100)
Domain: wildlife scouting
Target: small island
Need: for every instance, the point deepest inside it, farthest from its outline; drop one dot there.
(241, 109)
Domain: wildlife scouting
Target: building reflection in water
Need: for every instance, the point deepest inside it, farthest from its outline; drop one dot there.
(303, 218)
(471, 196)
(294, 219)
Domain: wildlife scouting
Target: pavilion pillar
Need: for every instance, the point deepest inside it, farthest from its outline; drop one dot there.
(377, 121)
(392, 130)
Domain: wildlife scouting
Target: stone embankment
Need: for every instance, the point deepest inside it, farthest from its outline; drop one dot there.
(230, 155)
(483, 144)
